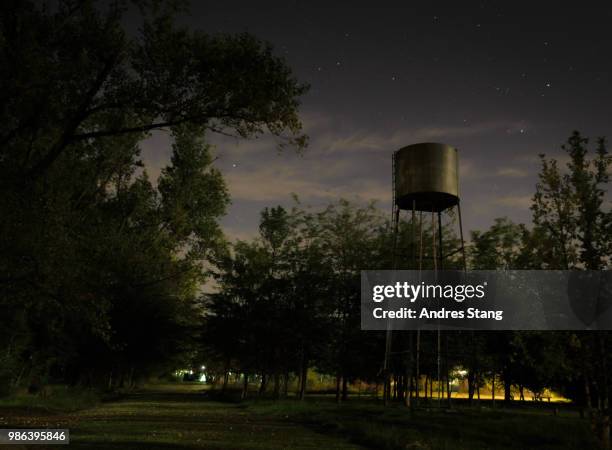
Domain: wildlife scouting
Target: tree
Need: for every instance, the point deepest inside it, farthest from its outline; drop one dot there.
(93, 254)
(272, 297)
(568, 208)
(571, 219)
(348, 235)
(500, 247)
(73, 75)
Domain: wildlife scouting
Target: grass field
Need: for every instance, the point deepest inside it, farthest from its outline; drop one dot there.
(184, 417)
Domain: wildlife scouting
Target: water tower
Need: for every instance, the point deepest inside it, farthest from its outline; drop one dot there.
(425, 182)
(425, 177)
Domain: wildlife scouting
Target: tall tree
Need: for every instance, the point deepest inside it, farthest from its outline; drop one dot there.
(569, 207)
(573, 220)
(93, 254)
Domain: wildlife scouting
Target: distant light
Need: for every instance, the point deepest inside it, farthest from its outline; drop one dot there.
(203, 367)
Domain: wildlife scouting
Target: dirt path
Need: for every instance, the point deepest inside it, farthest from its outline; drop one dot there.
(163, 419)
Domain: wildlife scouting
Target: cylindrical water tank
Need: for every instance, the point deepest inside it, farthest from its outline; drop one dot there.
(426, 177)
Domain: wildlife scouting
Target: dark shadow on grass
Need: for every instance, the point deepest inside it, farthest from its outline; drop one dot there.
(159, 396)
(127, 445)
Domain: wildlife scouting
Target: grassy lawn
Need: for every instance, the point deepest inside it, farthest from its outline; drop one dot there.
(184, 417)
(394, 427)
(171, 419)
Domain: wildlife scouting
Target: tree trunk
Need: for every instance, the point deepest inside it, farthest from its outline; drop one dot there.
(395, 382)
(245, 387)
(604, 395)
(418, 369)
(286, 385)
(471, 378)
(447, 365)
(507, 391)
(431, 388)
(408, 389)
(303, 380)
(400, 387)
(277, 382)
(225, 380)
(408, 375)
(344, 388)
(338, 379)
(264, 384)
(587, 396)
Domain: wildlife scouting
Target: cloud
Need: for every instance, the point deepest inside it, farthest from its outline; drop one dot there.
(340, 161)
(277, 182)
(352, 162)
(334, 134)
(272, 183)
(512, 172)
(236, 234)
(515, 201)
(331, 140)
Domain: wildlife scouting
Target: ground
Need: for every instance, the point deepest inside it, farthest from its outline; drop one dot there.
(185, 417)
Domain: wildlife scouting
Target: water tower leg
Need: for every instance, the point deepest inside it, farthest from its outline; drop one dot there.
(461, 236)
(440, 251)
(389, 336)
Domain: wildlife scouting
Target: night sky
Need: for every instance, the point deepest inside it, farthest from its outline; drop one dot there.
(502, 82)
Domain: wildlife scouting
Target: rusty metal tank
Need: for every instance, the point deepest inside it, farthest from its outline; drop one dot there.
(426, 177)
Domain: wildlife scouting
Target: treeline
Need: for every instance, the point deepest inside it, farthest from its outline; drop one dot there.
(100, 265)
(289, 299)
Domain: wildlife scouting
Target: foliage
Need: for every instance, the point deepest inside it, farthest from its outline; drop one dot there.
(100, 266)
(568, 207)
